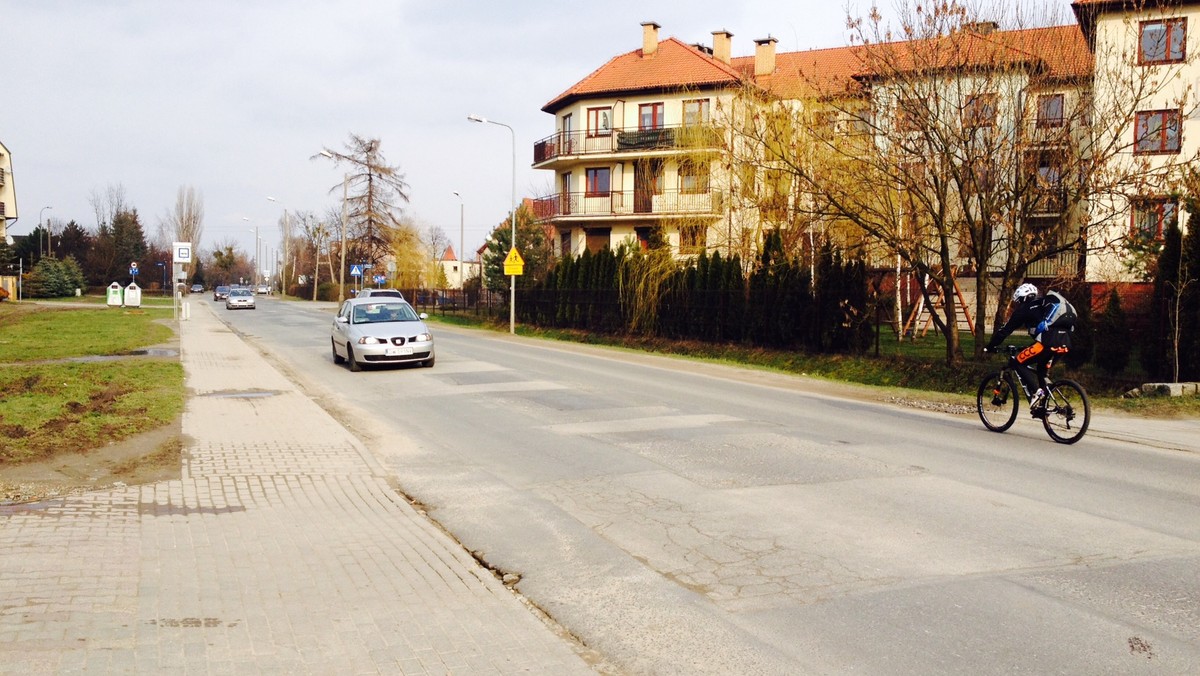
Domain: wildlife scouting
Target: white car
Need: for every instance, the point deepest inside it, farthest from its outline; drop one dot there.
(239, 298)
(380, 330)
(262, 290)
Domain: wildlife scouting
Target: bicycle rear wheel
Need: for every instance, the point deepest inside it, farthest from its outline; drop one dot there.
(997, 401)
(1068, 412)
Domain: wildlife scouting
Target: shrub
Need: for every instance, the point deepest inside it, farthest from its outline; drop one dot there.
(1113, 343)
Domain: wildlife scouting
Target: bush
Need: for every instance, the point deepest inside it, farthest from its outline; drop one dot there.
(53, 278)
(1113, 343)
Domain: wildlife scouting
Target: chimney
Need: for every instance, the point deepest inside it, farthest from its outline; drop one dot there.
(649, 38)
(982, 27)
(723, 46)
(764, 56)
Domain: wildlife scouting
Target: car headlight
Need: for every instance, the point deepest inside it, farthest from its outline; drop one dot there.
(369, 340)
(423, 337)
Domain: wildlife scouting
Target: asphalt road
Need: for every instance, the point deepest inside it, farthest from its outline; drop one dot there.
(684, 518)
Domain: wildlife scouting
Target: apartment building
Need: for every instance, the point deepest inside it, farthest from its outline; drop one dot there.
(1148, 44)
(646, 148)
(8, 192)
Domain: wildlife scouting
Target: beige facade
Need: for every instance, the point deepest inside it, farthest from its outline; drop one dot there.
(8, 192)
(1153, 52)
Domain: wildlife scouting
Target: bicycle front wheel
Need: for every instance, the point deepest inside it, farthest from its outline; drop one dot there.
(1068, 412)
(997, 401)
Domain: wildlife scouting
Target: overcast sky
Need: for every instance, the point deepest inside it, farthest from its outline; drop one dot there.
(234, 97)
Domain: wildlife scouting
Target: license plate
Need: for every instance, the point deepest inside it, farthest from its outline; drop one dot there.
(398, 351)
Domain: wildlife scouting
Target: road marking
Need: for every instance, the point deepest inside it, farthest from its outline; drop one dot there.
(640, 424)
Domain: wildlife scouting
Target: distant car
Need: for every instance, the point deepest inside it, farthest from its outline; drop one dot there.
(197, 288)
(380, 330)
(239, 298)
(262, 289)
(377, 293)
(220, 293)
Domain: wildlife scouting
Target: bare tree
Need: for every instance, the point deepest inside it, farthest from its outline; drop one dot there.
(106, 206)
(376, 193)
(185, 221)
(957, 149)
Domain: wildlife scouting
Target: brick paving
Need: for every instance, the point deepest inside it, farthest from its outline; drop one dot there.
(282, 549)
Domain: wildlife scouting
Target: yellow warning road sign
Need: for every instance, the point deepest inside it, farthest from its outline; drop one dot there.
(514, 264)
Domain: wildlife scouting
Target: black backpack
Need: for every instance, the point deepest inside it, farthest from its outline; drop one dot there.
(1060, 314)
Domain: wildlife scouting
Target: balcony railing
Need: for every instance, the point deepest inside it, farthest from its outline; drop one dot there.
(1063, 266)
(629, 203)
(575, 143)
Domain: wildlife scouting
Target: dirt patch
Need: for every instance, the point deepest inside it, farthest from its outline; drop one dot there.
(145, 458)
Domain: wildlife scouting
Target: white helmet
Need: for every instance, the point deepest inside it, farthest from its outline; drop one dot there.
(1024, 292)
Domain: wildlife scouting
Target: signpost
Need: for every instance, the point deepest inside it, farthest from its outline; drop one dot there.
(514, 265)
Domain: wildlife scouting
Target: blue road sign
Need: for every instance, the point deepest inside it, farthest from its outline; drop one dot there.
(356, 271)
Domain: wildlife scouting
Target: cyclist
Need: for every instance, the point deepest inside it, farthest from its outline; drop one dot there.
(1049, 319)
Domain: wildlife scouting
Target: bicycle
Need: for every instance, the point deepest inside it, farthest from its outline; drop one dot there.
(998, 403)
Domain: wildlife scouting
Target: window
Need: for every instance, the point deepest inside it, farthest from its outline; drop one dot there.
(1050, 111)
(1043, 232)
(597, 182)
(1162, 41)
(980, 111)
(981, 177)
(692, 239)
(825, 121)
(650, 116)
(695, 112)
(1157, 131)
(1152, 216)
(909, 114)
(599, 121)
(1045, 180)
(564, 243)
(568, 123)
(693, 178)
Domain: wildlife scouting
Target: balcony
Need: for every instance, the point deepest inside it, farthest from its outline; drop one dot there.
(1062, 266)
(578, 143)
(625, 203)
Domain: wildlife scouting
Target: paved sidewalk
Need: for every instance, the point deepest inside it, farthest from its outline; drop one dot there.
(282, 550)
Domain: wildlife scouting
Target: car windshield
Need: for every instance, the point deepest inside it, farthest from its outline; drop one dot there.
(384, 312)
(240, 292)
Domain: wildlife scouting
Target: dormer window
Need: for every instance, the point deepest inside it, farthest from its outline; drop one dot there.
(1163, 41)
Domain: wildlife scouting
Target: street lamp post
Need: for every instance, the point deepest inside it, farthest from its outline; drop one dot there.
(287, 235)
(40, 254)
(512, 280)
(461, 251)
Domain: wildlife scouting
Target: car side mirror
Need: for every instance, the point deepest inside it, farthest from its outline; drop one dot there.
(423, 315)
(341, 319)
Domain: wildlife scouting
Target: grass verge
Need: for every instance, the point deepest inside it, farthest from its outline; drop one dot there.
(53, 399)
(918, 366)
(31, 332)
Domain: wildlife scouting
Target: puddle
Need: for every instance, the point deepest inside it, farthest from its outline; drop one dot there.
(153, 352)
(241, 394)
(96, 358)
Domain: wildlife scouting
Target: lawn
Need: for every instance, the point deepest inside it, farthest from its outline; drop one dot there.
(56, 396)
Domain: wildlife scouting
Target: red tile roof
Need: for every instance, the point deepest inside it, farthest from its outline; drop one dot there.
(1056, 52)
(673, 65)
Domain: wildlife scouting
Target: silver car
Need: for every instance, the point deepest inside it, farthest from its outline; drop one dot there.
(239, 298)
(380, 330)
